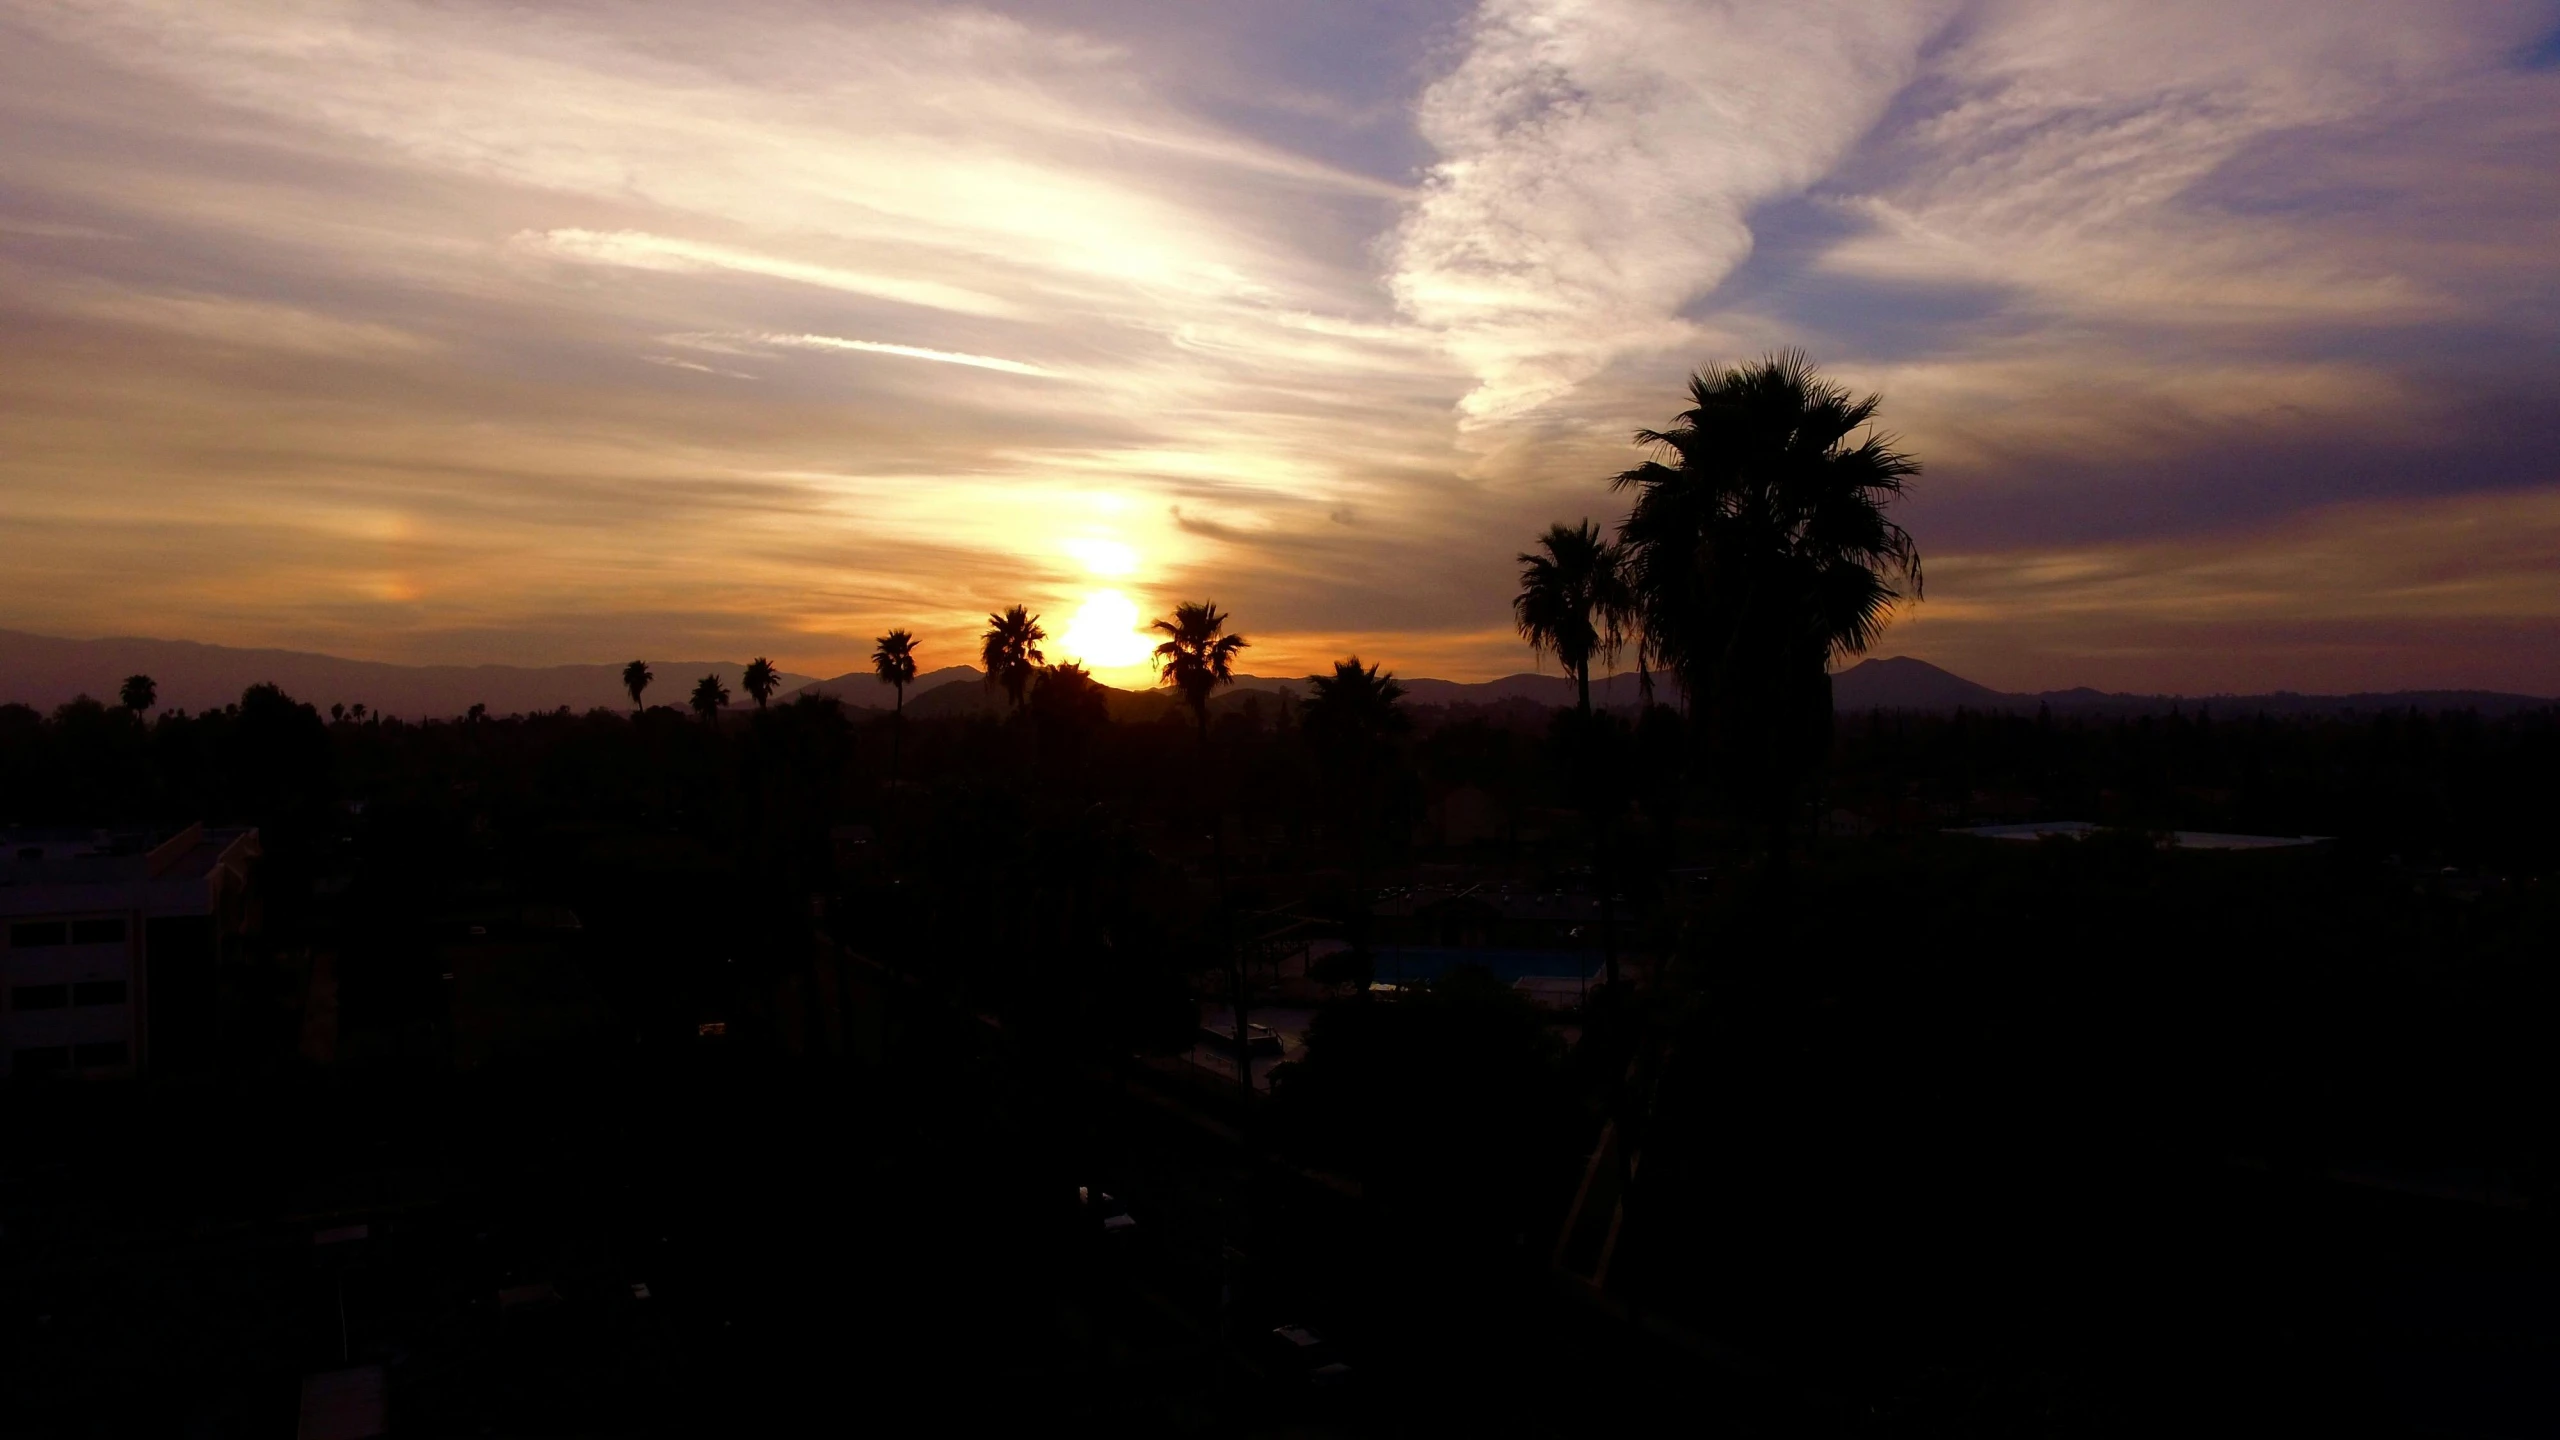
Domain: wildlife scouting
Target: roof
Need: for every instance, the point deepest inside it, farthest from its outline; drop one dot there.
(45, 872)
(2183, 839)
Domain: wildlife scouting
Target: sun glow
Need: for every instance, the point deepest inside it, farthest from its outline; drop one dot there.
(1104, 637)
(1104, 557)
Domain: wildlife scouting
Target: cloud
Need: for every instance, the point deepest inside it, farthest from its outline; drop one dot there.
(1599, 163)
(657, 252)
(870, 347)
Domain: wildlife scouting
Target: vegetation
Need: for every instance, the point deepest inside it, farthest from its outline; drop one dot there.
(1574, 601)
(1011, 652)
(1197, 655)
(761, 680)
(635, 678)
(709, 695)
(1758, 553)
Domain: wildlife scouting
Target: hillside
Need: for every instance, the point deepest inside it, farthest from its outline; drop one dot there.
(44, 672)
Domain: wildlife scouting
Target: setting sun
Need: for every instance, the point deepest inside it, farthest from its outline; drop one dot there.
(1105, 637)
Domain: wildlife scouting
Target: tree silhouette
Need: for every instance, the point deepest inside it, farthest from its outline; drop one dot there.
(635, 678)
(1574, 601)
(1011, 651)
(708, 696)
(358, 711)
(895, 663)
(761, 680)
(139, 693)
(1354, 713)
(1352, 721)
(1759, 552)
(1197, 656)
(1068, 705)
(477, 713)
(338, 713)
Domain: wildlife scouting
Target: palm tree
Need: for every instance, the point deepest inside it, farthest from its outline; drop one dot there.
(708, 696)
(1574, 601)
(1758, 552)
(895, 663)
(636, 678)
(1012, 651)
(1352, 719)
(761, 680)
(358, 711)
(1354, 712)
(1196, 657)
(338, 713)
(139, 693)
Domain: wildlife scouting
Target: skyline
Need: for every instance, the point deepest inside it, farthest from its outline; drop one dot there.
(457, 334)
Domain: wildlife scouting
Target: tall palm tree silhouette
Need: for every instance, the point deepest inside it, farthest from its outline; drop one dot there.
(636, 678)
(139, 693)
(708, 696)
(1759, 552)
(1011, 651)
(1355, 713)
(1353, 717)
(1574, 601)
(761, 680)
(895, 663)
(1197, 656)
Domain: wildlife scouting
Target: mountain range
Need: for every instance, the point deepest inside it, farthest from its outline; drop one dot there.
(44, 672)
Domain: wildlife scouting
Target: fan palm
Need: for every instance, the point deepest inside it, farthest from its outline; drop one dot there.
(708, 696)
(1574, 601)
(1011, 651)
(1354, 713)
(1759, 552)
(761, 680)
(1353, 717)
(895, 663)
(1197, 656)
(140, 693)
(636, 678)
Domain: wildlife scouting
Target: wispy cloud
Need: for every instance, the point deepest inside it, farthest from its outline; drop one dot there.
(639, 251)
(868, 347)
(1600, 163)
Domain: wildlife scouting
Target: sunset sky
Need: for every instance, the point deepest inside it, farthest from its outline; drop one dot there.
(2229, 332)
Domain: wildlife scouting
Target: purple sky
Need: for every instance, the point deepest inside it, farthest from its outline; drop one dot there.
(2228, 332)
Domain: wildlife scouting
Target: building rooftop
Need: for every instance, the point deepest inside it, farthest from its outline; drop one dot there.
(38, 866)
(2183, 839)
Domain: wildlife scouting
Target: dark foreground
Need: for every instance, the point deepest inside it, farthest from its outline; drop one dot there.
(704, 1239)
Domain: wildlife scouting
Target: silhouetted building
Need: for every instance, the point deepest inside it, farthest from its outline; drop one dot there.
(109, 947)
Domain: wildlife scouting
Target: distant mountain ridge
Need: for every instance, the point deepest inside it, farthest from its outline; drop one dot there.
(1901, 683)
(44, 671)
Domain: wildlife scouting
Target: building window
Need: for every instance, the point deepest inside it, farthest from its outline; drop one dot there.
(98, 992)
(37, 997)
(98, 932)
(41, 1060)
(31, 933)
(99, 1052)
